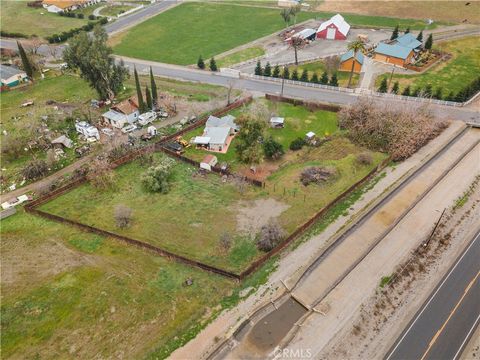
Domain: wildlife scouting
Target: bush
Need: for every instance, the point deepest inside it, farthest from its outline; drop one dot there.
(92, 17)
(80, 16)
(270, 236)
(394, 129)
(35, 169)
(364, 159)
(157, 178)
(100, 174)
(297, 144)
(123, 216)
(273, 150)
(316, 175)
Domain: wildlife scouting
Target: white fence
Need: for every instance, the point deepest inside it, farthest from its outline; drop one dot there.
(360, 91)
(130, 11)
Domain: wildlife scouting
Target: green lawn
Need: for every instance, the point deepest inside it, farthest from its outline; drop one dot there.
(17, 17)
(67, 294)
(210, 29)
(114, 10)
(319, 67)
(451, 76)
(240, 56)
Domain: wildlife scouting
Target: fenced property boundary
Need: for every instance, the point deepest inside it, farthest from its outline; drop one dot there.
(308, 104)
(32, 207)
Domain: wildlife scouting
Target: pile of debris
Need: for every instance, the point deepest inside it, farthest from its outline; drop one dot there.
(317, 175)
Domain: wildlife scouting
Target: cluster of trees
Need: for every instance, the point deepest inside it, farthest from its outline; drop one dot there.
(92, 56)
(158, 177)
(71, 14)
(428, 44)
(290, 12)
(284, 73)
(58, 38)
(151, 95)
(429, 92)
(212, 65)
(396, 130)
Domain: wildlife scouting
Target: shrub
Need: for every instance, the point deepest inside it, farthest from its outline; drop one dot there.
(80, 16)
(270, 236)
(364, 159)
(213, 65)
(100, 174)
(297, 144)
(201, 63)
(123, 216)
(35, 169)
(91, 17)
(394, 129)
(316, 175)
(273, 150)
(157, 178)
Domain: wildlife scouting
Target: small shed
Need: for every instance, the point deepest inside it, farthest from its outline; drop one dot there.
(277, 122)
(208, 162)
(310, 135)
(62, 141)
(348, 59)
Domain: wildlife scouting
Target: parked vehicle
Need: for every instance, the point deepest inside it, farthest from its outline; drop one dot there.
(87, 130)
(128, 128)
(109, 132)
(182, 142)
(146, 137)
(175, 147)
(147, 118)
(162, 114)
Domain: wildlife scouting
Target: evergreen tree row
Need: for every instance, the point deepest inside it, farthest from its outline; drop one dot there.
(276, 72)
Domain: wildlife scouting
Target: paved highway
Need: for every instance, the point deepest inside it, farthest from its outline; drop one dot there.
(442, 327)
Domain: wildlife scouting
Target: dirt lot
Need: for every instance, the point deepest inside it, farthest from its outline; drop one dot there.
(452, 11)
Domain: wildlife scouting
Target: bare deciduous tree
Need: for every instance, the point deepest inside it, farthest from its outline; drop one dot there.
(270, 236)
(100, 174)
(123, 216)
(226, 241)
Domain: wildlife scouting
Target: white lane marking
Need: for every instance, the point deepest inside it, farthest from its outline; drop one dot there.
(466, 337)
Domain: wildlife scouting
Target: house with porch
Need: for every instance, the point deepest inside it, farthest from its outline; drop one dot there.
(125, 112)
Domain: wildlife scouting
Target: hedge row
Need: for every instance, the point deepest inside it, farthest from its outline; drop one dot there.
(58, 38)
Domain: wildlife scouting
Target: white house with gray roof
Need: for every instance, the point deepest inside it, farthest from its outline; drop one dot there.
(12, 76)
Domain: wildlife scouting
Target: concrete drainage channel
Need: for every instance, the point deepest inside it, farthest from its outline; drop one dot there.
(274, 325)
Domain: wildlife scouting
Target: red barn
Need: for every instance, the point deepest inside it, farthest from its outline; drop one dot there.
(334, 29)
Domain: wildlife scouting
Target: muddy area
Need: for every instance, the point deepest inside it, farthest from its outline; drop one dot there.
(252, 216)
(270, 330)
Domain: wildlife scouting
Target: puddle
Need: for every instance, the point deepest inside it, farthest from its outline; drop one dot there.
(271, 329)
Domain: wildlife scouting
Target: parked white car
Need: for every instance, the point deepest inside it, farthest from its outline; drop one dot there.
(109, 132)
(147, 118)
(162, 114)
(129, 128)
(87, 130)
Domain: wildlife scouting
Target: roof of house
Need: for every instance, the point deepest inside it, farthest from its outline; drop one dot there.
(349, 54)
(305, 33)
(64, 4)
(201, 140)
(277, 120)
(395, 50)
(114, 115)
(65, 141)
(210, 159)
(226, 121)
(127, 107)
(9, 71)
(338, 21)
(217, 135)
(408, 40)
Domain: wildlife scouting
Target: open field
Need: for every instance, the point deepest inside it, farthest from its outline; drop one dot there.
(67, 293)
(453, 75)
(240, 56)
(212, 29)
(446, 11)
(17, 17)
(115, 10)
(218, 207)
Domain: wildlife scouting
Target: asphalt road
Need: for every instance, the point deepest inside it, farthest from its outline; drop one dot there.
(300, 92)
(449, 317)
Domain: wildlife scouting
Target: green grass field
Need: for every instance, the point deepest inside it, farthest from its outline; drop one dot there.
(211, 29)
(67, 293)
(450, 76)
(240, 56)
(114, 10)
(17, 17)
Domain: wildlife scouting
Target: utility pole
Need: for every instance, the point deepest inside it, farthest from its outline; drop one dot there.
(283, 82)
(391, 76)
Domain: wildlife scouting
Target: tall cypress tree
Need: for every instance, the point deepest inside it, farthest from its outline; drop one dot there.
(148, 95)
(153, 86)
(276, 71)
(408, 30)
(141, 104)
(294, 74)
(258, 69)
(394, 33)
(324, 78)
(334, 80)
(268, 70)
(304, 76)
(314, 78)
(429, 42)
(420, 36)
(383, 88)
(406, 91)
(395, 87)
(26, 63)
(213, 64)
(201, 63)
(286, 73)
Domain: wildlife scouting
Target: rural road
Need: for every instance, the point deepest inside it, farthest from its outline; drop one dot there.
(261, 86)
(447, 320)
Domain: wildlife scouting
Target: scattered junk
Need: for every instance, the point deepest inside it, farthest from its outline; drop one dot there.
(208, 162)
(184, 121)
(27, 103)
(12, 187)
(224, 167)
(62, 141)
(253, 169)
(108, 132)
(152, 130)
(316, 175)
(277, 122)
(363, 38)
(188, 282)
(6, 213)
(19, 200)
(311, 138)
(306, 35)
(97, 104)
(129, 128)
(162, 114)
(82, 150)
(87, 130)
(58, 153)
(175, 147)
(147, 118)
(146, 137)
